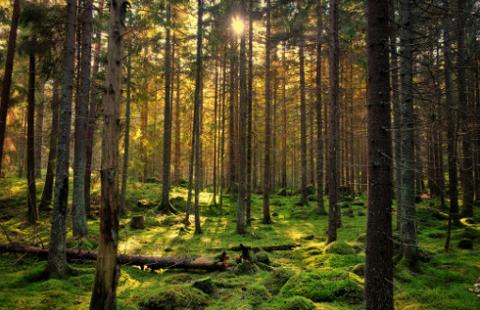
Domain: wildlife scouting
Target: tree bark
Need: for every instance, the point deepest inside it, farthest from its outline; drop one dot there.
(79, 214)
(92, 111)
(107, 270)
(303, 122)
(57, 262)
(39, 113)
(197, 122)
(7, 76)
(249, 113)
(46, 199)
(467, 163)
(266, 174)
(318, 105)
(126, 138)
(379, 248)
(167, 124)
(333, 143)
(32, 192)
(408, 232)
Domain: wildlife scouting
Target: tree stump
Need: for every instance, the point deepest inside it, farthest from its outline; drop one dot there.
(137, 222)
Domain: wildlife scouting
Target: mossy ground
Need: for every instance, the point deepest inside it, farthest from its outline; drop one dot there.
(442, 283)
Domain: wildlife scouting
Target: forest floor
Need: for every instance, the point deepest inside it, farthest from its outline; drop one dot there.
(311, 276)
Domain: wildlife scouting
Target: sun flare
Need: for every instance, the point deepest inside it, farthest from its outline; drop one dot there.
(238, 25)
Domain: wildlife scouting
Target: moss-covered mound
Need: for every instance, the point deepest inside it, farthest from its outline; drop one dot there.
(176, 297)
(277, 278)
(325, 285)
(339, 247)
(332, 260)
(257, 294)
(297, 303)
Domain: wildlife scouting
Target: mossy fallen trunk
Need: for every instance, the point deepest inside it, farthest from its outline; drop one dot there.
(152, 262)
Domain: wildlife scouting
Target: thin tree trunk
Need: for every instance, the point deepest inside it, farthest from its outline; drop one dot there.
(95, 98)
(451, 128)
(107, 270)
(266, 175)
(126, 138)
(177, 130)
(7, 76)
(215, 135)
(467, 177)
(333, 143)
(46, 199)
(32, 192)
(39, 112)
(303, 123)
(222, 143)
(408, 232)
(79, 214)
(57, 262)
(284, 121)
(167, 124)
(318, 105)
(249, 113)
(197, 122)
(379, 248)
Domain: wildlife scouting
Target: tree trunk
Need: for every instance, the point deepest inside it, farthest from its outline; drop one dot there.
(408, 232)
(284, 121)
(303, 123)
(177, 130)
(318, 105)
(266, 175)
(107, 269)
(167, 124)
(333, 143)
(379, 248)
(215, 131)
(465, 118)
(92, 111)
(126, 138)
(451, 114)
(32, 192)
(232, 171)
(249, 112)
(57, 262)
(79, 214)
(197, 122)
(7, 75)
(39, 111)
(52, 153)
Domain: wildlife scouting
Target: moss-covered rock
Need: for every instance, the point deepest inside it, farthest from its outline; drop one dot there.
(277, 278)
(325, 285)
(339, 247)
(176, 297)
(206, 285)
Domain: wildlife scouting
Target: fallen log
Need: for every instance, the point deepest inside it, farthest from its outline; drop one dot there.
(268, 248)
(152, 262)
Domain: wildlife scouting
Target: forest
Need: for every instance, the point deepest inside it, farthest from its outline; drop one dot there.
(240, 154)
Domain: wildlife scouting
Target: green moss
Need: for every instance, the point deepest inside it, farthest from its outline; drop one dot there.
(297, 303)
(325, 285)
(257, 294)
(332, 260)
(245, 267)
(176, 297)
(262, 257)
(339, 247)
(277, 278)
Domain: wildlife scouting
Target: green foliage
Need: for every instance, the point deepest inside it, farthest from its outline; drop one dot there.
(325, 285)
(297, 303)
(257, 294)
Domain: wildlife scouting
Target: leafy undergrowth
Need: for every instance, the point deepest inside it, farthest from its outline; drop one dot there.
(311, 276)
